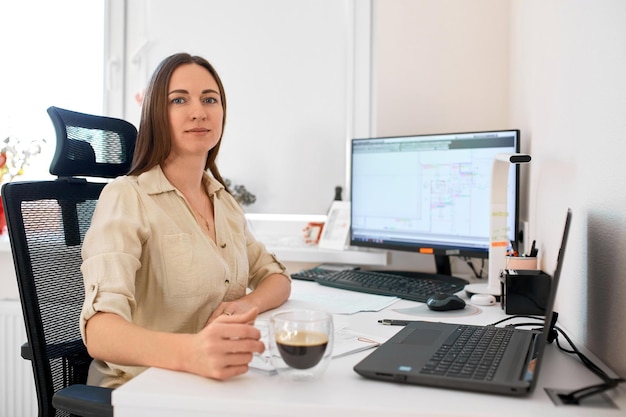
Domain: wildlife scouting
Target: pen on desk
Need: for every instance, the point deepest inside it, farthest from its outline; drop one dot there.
(389, 322)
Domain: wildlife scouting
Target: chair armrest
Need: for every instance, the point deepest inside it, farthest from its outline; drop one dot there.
(84, 400)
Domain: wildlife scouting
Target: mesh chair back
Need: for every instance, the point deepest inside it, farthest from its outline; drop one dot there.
(91, 146)
(47, 221)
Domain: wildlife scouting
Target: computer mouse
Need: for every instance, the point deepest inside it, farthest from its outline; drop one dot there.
(445, 302)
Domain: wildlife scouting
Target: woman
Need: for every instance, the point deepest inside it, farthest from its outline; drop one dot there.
(168, 257)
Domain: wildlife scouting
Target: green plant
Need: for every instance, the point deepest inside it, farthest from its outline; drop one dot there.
(241, 194)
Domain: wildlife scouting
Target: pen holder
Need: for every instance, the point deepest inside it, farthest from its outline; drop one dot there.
(524, 291)
(521, 262)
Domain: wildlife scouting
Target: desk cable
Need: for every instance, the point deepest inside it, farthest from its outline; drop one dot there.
(573, 397)
(469, 263)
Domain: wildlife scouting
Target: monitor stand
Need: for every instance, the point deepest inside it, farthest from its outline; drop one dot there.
(442, 264)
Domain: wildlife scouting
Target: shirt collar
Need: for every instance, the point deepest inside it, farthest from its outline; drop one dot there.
(154, 181)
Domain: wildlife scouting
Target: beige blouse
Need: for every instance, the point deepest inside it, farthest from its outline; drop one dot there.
(146, 259)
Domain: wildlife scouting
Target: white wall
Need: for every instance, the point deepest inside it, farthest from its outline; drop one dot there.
(440, 66)
(569, 97)
(289, 71)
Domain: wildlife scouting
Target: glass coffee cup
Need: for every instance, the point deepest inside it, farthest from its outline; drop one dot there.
(301, 343)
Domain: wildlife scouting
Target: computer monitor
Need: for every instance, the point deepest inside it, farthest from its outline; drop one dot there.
(430, 194)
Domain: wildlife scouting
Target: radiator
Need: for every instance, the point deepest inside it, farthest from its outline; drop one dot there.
(17, 388)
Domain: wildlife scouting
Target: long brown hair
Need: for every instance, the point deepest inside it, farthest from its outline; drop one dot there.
(154, 140)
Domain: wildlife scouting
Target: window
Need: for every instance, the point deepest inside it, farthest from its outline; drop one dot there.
(51, 55)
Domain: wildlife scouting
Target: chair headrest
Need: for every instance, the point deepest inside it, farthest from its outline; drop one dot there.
(90, 145)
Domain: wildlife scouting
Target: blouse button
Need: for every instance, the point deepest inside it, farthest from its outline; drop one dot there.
(223, 245)
(227, 282)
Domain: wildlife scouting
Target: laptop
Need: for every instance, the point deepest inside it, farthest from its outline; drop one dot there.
(420, 352)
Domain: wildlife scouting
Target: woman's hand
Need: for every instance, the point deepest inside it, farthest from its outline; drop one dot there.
(225, 347)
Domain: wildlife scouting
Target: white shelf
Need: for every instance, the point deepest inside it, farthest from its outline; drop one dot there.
(315, 254)
(282, 235)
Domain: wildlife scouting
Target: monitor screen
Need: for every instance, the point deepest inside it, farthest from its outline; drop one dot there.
(429, 193)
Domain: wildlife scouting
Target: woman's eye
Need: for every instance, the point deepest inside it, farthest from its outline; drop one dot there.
(210, 100)
(178, 100)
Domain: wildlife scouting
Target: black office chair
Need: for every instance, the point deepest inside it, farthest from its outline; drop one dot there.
(47, 221)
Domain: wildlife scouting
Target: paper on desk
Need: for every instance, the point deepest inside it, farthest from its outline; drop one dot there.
(337, 301)
(348, 342)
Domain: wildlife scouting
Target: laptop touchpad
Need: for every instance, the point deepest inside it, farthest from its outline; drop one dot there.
(423, 337)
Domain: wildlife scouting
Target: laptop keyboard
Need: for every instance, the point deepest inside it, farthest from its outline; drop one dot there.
(414, 286)
(472, 352)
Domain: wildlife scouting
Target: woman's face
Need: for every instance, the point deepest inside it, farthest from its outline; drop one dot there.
(195, 111)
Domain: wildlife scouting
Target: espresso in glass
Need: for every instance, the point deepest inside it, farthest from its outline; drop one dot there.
(301, 343)
(302, 350)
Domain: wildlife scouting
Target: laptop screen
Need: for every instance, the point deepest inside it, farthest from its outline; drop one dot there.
(550, 319)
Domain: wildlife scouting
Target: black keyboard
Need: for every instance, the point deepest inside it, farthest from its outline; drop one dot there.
(471, 352)
(313, 274)
(414, 286)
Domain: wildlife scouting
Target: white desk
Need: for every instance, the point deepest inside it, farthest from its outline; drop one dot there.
(341, 392)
